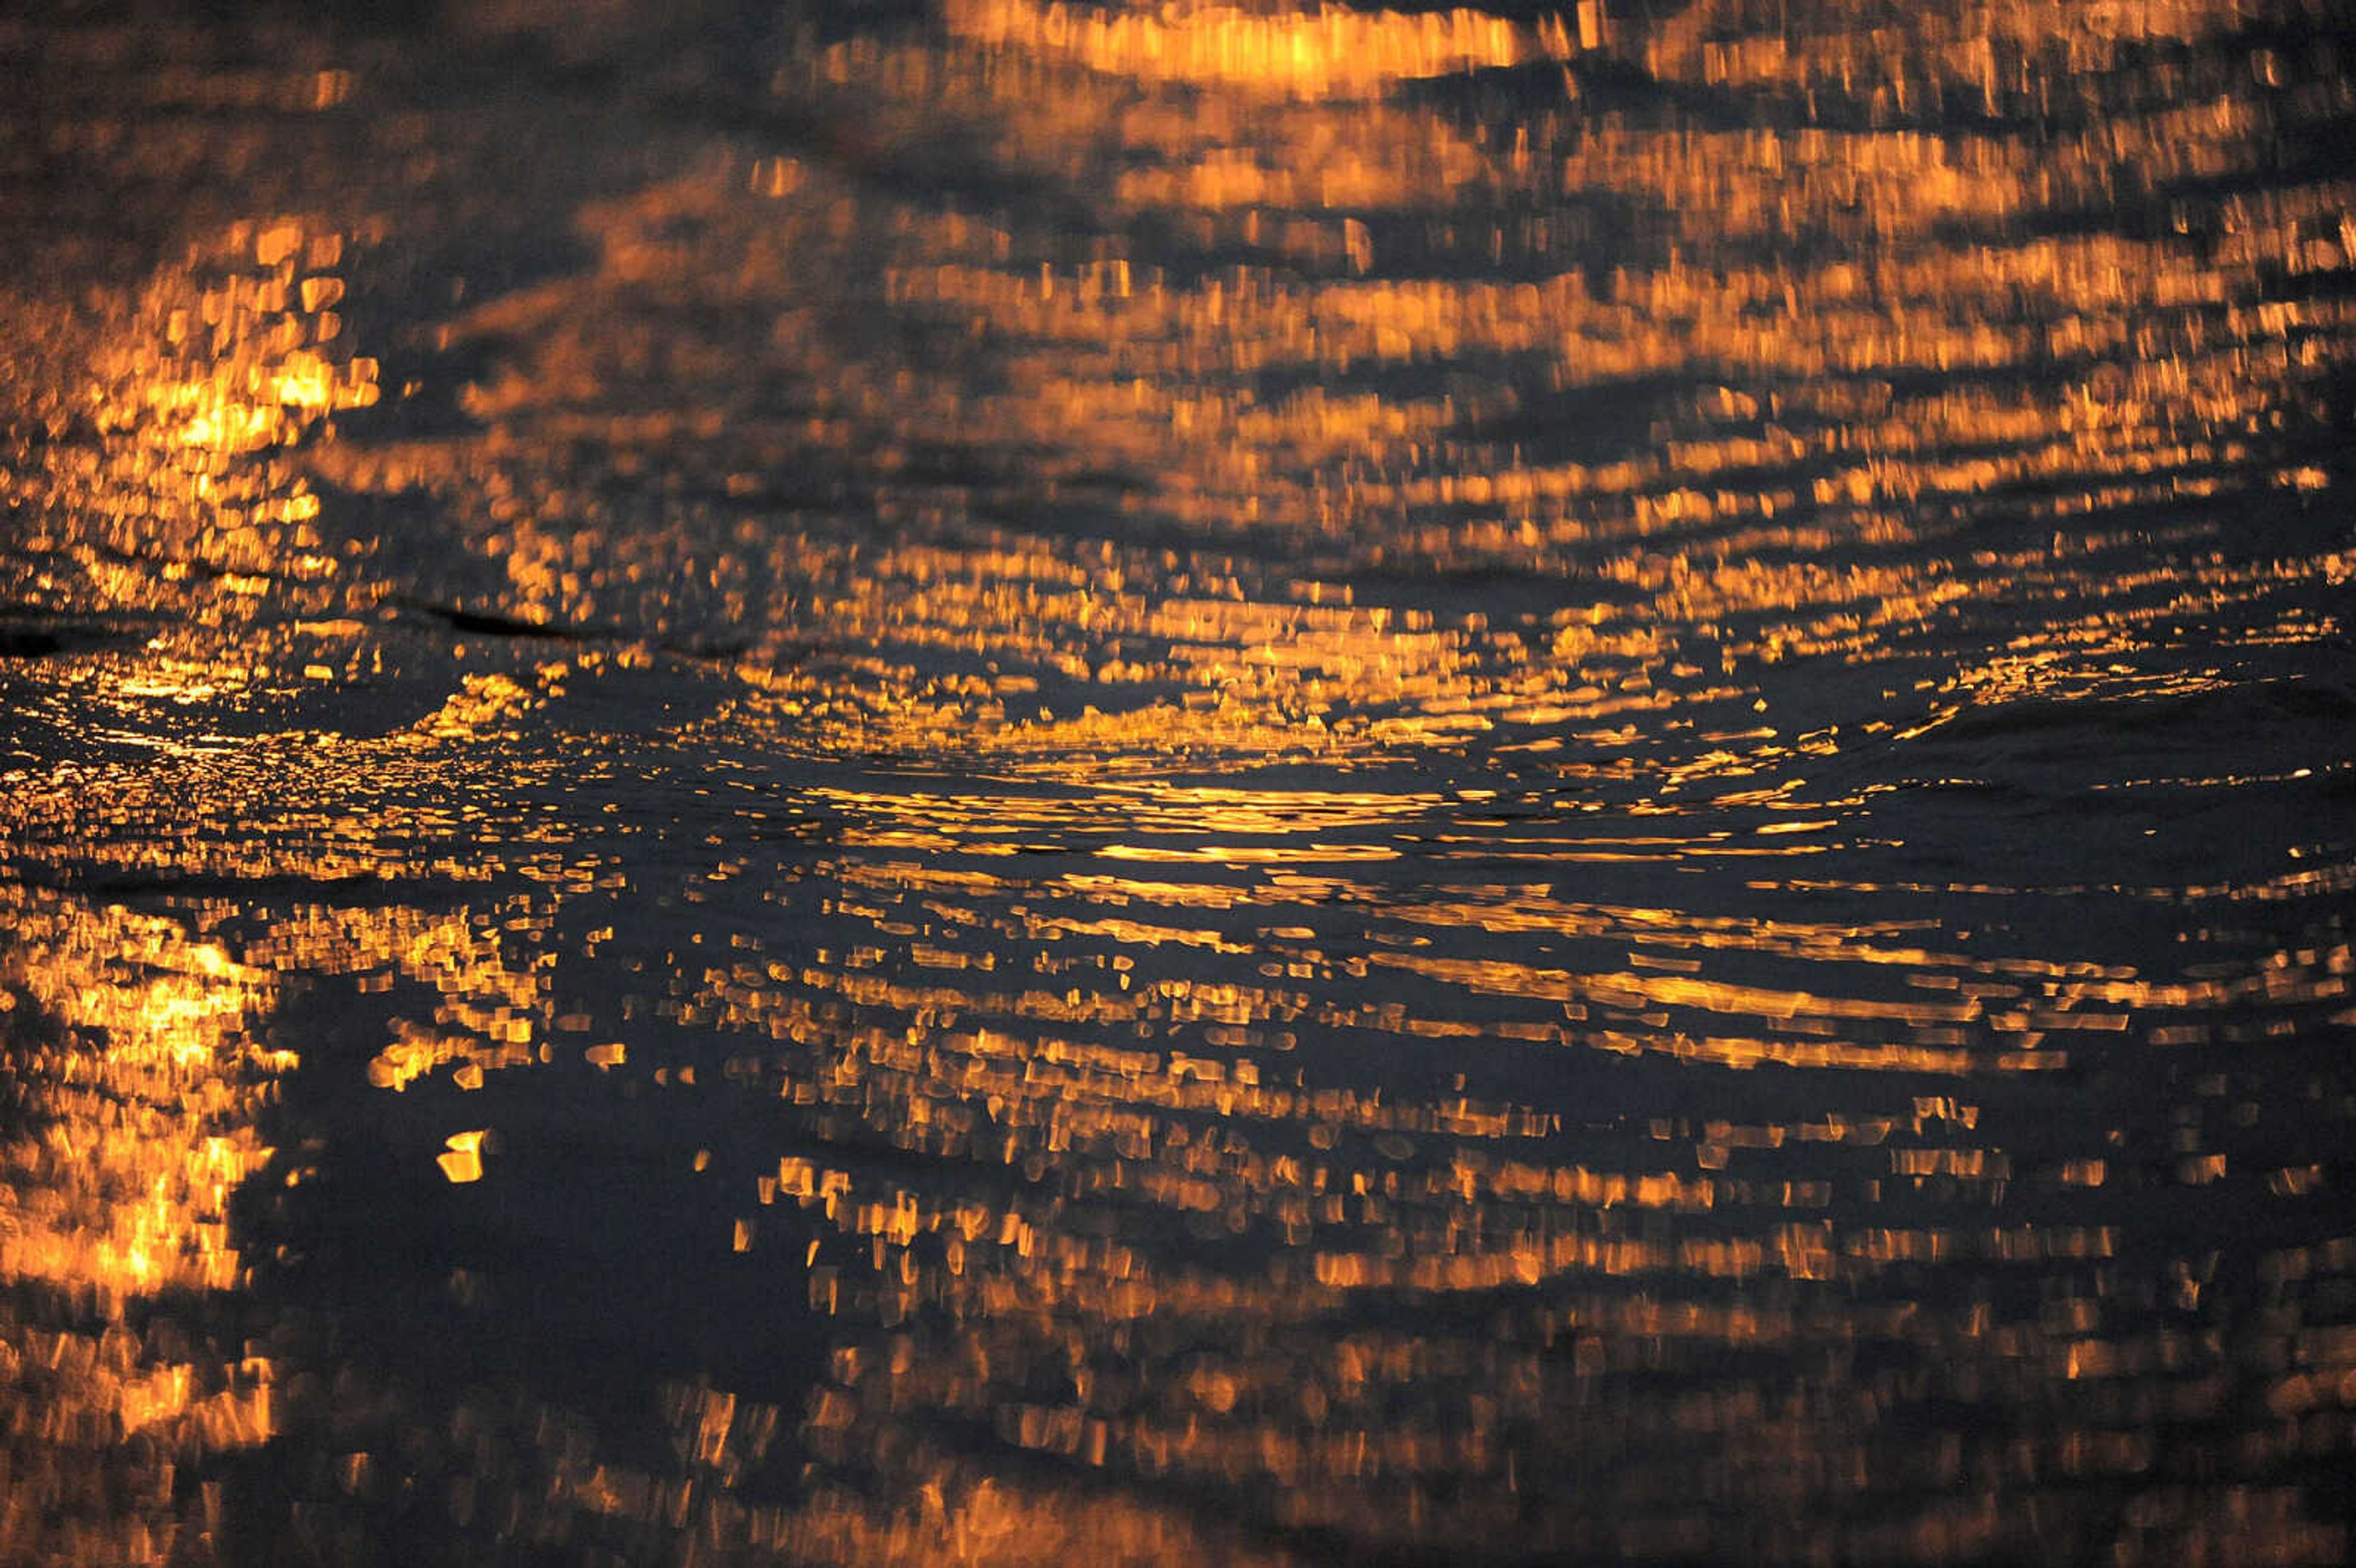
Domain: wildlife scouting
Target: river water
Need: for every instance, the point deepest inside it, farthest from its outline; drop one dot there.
(961, 782)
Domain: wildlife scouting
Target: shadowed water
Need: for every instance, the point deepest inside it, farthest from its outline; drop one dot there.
(967, 782)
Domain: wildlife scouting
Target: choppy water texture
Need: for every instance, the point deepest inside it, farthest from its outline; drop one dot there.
(971, 782)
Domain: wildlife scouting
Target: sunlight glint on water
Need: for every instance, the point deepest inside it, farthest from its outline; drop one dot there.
(988, 782)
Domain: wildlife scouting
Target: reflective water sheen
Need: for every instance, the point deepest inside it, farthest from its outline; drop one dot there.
(981, 782)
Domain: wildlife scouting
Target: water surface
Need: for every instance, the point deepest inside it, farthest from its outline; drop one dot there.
(972, 782)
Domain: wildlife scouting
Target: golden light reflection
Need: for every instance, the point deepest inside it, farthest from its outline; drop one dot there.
(1771, 520)
(136, 1072)
(1329, 50)
(1338, 781)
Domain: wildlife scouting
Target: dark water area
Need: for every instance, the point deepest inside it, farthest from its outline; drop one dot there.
(968, 782)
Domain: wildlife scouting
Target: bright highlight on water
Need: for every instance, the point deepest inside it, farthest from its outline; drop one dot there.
(973, 781)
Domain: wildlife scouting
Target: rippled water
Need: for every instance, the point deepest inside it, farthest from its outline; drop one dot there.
(962, 782)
